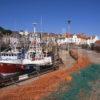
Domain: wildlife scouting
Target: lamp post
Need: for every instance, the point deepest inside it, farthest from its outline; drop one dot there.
(34, 27)
(69, 22)
(68, 48)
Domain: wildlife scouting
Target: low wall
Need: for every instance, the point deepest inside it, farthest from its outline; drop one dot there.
(74, 54)
(81, 60)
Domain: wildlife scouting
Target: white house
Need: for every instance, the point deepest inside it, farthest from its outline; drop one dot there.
(77, 39)
(92, 39)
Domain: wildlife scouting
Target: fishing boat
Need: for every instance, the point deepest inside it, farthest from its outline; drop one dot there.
(24, 59)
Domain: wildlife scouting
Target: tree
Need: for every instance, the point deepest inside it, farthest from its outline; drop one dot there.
(1, 29)
(5, 31)
(8, 31)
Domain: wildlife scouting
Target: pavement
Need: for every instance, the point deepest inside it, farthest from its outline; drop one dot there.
(93, 55)
(66, 58)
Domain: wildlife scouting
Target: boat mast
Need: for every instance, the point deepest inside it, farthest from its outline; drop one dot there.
(41, 31)
(35, 35)
(0, 46)
(41, 28)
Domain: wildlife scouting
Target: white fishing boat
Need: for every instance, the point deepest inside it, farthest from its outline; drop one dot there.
(15, 61)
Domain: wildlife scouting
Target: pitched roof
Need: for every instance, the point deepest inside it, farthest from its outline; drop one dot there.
(69, 35)
(97, 42)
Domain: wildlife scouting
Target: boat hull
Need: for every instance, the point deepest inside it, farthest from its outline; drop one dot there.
(27, 65)
(7, 69)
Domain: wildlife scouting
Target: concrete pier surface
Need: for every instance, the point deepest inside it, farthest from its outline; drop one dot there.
(92, 55)
(68, 61)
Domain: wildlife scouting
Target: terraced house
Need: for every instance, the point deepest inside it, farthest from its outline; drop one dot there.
(77, 39)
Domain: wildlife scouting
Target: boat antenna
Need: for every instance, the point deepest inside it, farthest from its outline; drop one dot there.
(41, 28)
(34, 31)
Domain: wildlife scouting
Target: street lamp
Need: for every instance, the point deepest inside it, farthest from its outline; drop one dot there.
(68, 27)
(34, 27)
(69, 22)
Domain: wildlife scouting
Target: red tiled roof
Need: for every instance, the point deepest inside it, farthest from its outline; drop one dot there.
(69, 35)
(80, 35)
(83, 36)
(97, 42)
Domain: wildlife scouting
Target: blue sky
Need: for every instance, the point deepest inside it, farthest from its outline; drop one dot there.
(20, 14)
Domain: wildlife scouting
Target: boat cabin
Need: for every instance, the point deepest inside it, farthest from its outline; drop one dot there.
(9, 56)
